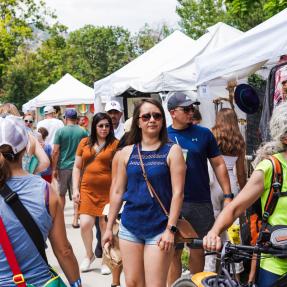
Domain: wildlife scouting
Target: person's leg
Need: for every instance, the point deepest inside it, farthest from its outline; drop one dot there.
(86, 223)
(156, 265)
(196, 260)
(116, 275)
(175, 268)
(98, 250)
(133, 263)
(63, 185)
(266, 278)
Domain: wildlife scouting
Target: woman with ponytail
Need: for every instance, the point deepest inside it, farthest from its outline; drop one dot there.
(42, 203)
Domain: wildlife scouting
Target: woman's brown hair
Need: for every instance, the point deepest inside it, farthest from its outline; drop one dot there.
(227, 134)
(6, 155)
(135, 134)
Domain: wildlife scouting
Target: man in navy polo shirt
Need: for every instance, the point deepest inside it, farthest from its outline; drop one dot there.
(198, 145)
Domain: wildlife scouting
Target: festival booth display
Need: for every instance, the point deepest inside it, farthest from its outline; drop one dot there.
(246, 55)
(161, 70)
(68, 92)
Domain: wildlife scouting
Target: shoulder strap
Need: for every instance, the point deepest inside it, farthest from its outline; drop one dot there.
(18, 278)
(23, 215)
(149, 186)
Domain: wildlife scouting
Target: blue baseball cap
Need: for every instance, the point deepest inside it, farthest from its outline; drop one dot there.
(71, 114)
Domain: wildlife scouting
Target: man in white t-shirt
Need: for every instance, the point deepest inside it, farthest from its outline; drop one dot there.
(114, 110)
(50, 123)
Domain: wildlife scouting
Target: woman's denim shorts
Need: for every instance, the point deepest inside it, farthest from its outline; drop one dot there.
(125, 234)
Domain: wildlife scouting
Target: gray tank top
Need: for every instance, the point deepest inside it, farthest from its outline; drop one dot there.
(31, 191)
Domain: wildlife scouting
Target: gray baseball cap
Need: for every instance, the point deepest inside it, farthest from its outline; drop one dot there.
(179, 99)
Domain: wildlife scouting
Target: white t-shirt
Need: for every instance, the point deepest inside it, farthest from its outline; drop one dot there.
(52, 125)
(119, 131)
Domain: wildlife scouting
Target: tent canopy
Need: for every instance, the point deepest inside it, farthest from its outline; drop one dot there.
(169, 53)
(246, 54)
(67, 91)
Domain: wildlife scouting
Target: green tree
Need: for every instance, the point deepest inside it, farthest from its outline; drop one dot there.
(96, 52)
(148, 36)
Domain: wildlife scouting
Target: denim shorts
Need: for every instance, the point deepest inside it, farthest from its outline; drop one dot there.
(200, 216)
(125, 234)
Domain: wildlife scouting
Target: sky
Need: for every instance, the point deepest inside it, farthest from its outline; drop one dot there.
(131, 14)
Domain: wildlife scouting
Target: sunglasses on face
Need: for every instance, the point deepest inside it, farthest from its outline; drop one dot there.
(27, 121)
(101, 126)
(186, 109)
(147, 117)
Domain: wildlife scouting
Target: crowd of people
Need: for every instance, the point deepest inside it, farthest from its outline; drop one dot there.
(194, 171)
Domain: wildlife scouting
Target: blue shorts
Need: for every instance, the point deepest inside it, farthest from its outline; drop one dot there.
(267, 278)
(125, 234)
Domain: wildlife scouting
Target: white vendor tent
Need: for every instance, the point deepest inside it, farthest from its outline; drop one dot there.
(67, 91)
(169, 53)
(246, 54)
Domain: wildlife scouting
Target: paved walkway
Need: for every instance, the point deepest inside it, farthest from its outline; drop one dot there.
(89, 279)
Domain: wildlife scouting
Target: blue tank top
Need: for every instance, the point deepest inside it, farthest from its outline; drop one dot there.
(142, 214)
(31, 191)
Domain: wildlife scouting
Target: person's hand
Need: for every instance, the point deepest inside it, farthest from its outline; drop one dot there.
(107, 239)
(212, 242)
(76, 196)
(55, 174)
(166, 241)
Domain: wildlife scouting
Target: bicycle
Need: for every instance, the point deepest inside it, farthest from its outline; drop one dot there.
(230, 254)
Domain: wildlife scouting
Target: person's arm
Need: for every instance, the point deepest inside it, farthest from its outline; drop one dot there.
(220, 170)
(37, 150)
(248, 195)
(59, 241)
(76, 178)
(116, 193)
(55, 159)
(177, 168)
(240, 170)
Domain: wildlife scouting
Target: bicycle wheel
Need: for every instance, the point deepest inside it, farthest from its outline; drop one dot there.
(183, 282)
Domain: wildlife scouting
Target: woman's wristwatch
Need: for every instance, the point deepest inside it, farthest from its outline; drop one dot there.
(228, 195)
(172, 228)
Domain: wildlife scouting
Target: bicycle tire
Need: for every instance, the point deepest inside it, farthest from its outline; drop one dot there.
(183, 282)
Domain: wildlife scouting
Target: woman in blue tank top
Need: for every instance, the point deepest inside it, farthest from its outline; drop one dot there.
(146, 233)
(42, 203)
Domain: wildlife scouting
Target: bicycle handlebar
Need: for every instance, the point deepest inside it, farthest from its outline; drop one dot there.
(278, 250)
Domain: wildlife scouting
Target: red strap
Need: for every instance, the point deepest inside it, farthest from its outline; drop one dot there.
(10, 255)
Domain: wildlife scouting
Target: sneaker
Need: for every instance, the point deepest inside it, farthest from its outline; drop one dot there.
(86, 264)
(105, 270)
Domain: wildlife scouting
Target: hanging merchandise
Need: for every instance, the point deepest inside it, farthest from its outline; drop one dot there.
(83, 108)
(92, 108)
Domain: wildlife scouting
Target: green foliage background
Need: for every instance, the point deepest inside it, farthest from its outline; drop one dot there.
(36, 50)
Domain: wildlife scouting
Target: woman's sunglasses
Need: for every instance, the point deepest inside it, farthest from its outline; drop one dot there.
(147, 117)
(27, 121)
(101, 126)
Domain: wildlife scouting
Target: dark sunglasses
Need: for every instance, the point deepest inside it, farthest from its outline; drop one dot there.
(101, 126)
(186, 109)
(27, 121)
(147, 117)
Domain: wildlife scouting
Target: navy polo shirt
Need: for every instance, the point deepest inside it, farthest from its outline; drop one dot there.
(201, 145)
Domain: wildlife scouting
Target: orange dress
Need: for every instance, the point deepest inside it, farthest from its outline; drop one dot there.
(97, 178)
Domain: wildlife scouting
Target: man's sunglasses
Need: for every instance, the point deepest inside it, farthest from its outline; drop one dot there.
(101, 126)
(186, 109)
(147, 117)
(27, 121)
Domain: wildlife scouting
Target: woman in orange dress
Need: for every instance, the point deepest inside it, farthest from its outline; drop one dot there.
(92, 177)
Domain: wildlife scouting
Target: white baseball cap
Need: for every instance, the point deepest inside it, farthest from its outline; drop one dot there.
(113, 105)
(13, 133)
(49, 110)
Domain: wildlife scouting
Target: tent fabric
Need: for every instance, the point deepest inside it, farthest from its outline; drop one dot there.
(246, 54)
(167, 66)
(67, 91)
(171, 52)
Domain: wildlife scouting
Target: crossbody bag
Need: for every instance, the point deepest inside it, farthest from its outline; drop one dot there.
(185, 231)
(23, 215)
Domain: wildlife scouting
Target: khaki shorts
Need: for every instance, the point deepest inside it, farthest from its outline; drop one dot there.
(65, 181)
